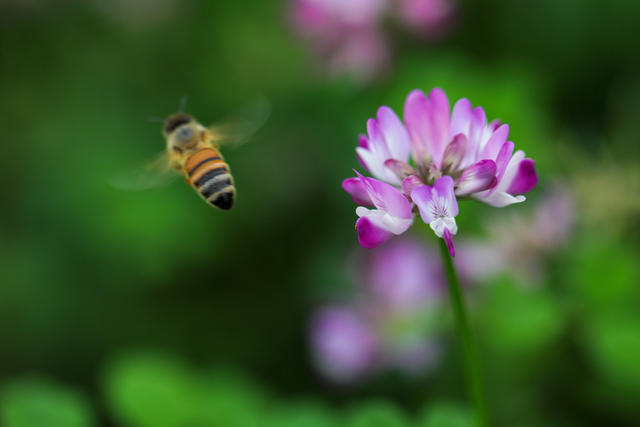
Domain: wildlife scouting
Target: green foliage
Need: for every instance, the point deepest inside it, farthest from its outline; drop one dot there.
(151, 389)
(613, 344)
(37, 402)
(301, 414)
(517, 320)
(604, 273)
(445, 414)
(376, 413)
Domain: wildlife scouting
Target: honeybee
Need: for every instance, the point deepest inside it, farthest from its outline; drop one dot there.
(193, 150)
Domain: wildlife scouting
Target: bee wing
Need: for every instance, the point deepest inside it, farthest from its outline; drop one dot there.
(240, 127)
(155, 173)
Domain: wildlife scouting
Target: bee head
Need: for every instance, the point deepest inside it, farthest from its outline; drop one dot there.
(175, 121)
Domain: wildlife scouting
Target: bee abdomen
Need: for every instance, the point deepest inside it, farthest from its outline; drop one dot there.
(209, 175)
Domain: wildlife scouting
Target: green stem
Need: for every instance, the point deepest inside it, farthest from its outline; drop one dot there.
(472, 369)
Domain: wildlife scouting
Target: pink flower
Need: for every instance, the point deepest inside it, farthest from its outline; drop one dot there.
(391, 213)
(403, 275)
(344, 344)
(344, 34)
(349, 37)
(390, 323)
(430, 18)
(520, 245)
(434, 158)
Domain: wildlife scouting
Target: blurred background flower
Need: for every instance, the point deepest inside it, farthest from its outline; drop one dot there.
(350, 37)
(392, 321)
(521, 244)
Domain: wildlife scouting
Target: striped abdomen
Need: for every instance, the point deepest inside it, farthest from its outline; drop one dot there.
(209, 175)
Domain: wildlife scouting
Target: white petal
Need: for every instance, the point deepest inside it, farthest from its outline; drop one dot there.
(500, 199)
(439, 224)
(385, 221)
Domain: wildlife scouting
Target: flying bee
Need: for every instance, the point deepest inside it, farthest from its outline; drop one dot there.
(194, 150)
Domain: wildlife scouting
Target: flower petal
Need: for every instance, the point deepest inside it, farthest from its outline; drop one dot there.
(423, 198)
(477, 127)
(356, 188)
(410, 183)
(495, 143)
(460, 118)
(477, 177)
(500, 199)
(448, 238)
(399, 168)
(510, 171)
(439, 123)
(363, 143)
(369, 235)
(443, 187)
(427, 120)
(387, 198)
(502, 161)
(525, 179)
(415, 117)
(395, 134)
(454, 153)
(494, 124)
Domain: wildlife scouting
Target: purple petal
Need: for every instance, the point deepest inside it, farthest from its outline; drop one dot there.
(510, 170)
(443, 187)
(356, 188)
(439, 123)
(477, 177)
(415, 117)
(400, 168)
(386, 197)
(448, 238)
(454, 153)
(525, 179)
(476, 128)
(410, 183)
(460, 118)
(423, 198)
(369, 235)
(502, 161)
(494, 124)
(395, 134)
(495, 142)
(363, 141)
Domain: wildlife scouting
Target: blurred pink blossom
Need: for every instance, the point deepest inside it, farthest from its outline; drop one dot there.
(519, 245)
(344, 344)
(428, 18)
(349, 37)
(393, 323)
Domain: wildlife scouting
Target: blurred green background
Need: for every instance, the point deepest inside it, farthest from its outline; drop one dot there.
(152, 309)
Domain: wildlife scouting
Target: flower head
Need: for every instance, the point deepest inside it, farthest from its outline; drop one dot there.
(436, 157)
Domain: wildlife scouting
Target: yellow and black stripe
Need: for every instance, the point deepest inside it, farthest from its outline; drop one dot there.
(209, 175)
